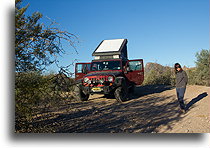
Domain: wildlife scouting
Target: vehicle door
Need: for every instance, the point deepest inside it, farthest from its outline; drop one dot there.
(135, 71)
(81, 69)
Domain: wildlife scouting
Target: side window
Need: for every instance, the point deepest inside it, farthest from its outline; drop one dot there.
(135, 65)
(86, 68)
(79, 68)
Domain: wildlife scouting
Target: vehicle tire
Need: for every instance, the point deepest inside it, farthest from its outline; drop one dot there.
(121, 94)
(80, 95)
(132, 89)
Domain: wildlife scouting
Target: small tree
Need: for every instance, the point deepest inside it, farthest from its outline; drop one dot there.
(202, 65)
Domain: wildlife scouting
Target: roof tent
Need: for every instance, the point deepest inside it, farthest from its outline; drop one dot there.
(111, 49)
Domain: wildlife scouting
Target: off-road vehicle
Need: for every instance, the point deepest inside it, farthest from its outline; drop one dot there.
(110, 73)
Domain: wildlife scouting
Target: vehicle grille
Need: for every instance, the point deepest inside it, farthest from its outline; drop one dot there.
(97, 79)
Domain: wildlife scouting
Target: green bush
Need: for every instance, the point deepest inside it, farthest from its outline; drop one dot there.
(28, 93)
(191, 73)
(202, 68)
(199, 75)
(36, 93)
(156, 76)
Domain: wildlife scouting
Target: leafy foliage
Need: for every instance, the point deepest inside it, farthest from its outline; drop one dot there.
(34, 92)
(191, 73)
(202, 68)
(158, 74)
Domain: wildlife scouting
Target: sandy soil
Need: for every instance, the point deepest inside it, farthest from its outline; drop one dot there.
(151, 109)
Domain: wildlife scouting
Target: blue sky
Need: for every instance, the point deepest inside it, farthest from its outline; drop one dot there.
(162, 31)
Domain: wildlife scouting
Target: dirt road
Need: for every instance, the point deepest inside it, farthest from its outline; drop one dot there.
(152, 109)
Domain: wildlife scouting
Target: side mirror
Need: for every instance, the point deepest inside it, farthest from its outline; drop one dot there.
(127, 69)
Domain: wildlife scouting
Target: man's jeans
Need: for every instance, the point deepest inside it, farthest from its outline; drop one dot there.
(180, 95)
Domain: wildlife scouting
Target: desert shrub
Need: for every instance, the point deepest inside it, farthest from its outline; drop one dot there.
(191, 73)
(36, 93)
(202, 68)
(159, 75)
(28, 93)
(199, 75)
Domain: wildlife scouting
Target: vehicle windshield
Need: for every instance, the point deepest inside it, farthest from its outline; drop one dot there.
(105, 65)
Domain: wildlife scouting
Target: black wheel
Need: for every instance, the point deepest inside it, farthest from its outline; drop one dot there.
(132, 89)
(121, 94)
(80, 95)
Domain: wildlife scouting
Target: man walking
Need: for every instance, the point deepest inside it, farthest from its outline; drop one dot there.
(181, 82)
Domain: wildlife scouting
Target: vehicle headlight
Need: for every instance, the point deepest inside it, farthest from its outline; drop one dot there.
(86, 79)
(89, 82)
(101, 81)
(110, 78)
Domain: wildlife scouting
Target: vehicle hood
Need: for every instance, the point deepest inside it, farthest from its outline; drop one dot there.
(105, 73)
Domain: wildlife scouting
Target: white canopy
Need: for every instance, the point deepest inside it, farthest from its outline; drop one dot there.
(110, 45)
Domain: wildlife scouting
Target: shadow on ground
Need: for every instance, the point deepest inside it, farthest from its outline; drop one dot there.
(150, 89)
(196, 99)
(146, 113)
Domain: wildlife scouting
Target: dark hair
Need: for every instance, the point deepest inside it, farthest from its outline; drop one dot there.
(177, 65)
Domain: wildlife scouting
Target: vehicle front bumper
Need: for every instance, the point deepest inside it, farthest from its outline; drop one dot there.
(98, 90)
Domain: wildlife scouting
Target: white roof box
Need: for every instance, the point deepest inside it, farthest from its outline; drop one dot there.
(116, 48)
